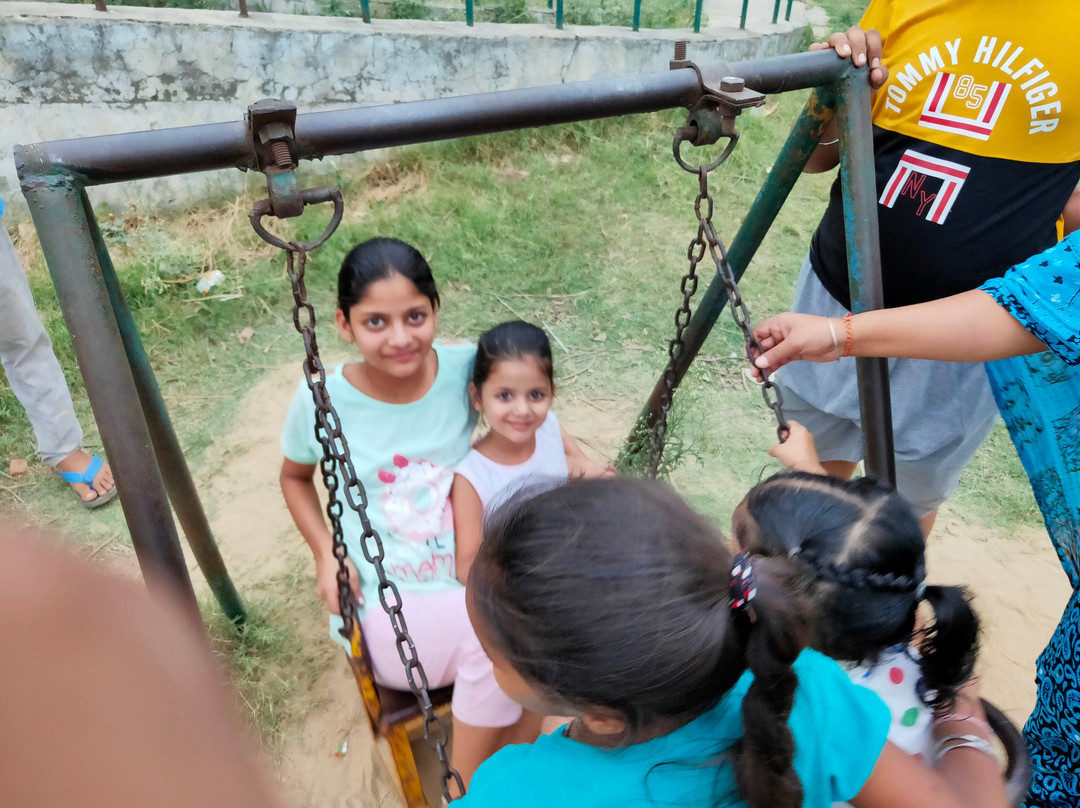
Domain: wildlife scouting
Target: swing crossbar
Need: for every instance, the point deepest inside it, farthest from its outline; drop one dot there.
(189, 149)
(131, 415)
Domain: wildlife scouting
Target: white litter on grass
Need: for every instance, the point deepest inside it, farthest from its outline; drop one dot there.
(209, 281)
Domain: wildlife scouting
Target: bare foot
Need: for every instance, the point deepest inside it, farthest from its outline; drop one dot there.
(79, 461)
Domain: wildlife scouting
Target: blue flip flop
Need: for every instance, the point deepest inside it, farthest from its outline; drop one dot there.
(87, 477)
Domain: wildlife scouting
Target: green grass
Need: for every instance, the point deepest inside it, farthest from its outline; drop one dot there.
(842, 13)
(268, 664)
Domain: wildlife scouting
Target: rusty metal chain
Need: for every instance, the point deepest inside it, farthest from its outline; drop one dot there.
(707, 238)
(774, 399)
(337, 461)
(688, 286)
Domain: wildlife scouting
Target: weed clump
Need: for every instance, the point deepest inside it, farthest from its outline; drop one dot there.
(266, 662)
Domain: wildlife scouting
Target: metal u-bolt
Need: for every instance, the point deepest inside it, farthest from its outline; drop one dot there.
(730, 84)
(680, 50)
(282, 157)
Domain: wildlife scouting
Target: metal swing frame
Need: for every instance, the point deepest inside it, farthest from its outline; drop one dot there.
(131, 414)
(134, 423)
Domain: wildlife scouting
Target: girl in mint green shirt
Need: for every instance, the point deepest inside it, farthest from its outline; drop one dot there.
(406, 416)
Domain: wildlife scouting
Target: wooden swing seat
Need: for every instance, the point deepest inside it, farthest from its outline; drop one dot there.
(395, 716)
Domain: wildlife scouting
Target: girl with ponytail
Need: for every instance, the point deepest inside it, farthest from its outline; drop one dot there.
(861, 552)
(684, 667)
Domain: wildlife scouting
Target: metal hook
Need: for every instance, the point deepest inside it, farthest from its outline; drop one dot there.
(310, 196)
(689, 133)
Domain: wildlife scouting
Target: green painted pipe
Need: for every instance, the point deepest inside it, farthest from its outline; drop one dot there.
(56, 205)
(167, 449)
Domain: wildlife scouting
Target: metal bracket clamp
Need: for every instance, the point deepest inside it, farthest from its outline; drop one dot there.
(271, 123)
(736, 96)
(714, 114)
(309, 196)
(713, 117)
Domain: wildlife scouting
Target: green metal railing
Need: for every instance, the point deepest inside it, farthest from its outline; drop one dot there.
(470, 16)
(775, 13)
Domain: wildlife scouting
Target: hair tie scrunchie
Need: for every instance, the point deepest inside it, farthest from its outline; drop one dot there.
(743, 585)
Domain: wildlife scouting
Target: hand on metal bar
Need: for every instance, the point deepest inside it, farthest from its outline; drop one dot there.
(864, 47)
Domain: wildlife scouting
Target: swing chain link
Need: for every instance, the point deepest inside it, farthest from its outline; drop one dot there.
(695, 252)
(707, 238)
(774, 399)
(336, 457)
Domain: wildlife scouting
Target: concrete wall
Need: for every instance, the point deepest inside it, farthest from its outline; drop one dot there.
(67, 71)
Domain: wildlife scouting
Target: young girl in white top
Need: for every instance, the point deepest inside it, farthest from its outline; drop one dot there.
(862, 554)
(513, 384)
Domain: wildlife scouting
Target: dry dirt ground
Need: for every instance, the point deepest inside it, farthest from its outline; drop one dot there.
(1020, 592)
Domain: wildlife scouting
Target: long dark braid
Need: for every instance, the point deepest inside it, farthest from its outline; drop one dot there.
(765, 756)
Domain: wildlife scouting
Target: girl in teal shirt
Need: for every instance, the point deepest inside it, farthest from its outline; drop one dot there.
(685, 671)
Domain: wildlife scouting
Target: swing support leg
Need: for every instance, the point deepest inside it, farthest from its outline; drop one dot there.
(67, 241)
(125, 397)
(857, 180)
(170, 456)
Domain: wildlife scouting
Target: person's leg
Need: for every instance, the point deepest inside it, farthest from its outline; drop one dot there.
(484, 718)
(79, 462)
(942, 413)
(36, 378)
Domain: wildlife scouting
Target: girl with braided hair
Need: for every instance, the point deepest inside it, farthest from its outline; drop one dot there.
(861, 551)
(685, 669)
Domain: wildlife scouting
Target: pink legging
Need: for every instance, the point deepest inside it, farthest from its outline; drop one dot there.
(449, 651)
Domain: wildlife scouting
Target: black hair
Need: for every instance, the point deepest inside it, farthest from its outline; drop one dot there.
(512, 340)
(863, 555)
(379, 258)
(614, 593)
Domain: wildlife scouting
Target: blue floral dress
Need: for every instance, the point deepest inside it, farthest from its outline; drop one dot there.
(1039, 398)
